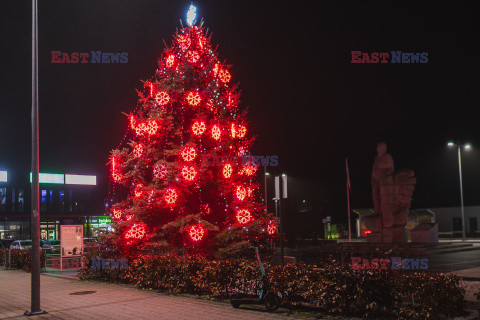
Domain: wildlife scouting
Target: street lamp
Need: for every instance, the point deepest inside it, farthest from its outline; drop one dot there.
(466, 147)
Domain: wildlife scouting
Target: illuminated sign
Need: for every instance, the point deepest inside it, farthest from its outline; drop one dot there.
(50, 178)
(3, 176)
(105, 220)
(80, 179)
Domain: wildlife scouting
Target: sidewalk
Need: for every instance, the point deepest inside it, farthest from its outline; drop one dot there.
(71, 299)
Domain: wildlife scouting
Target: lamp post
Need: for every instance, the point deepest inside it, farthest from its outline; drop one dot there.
(466, 147)
(35, 217)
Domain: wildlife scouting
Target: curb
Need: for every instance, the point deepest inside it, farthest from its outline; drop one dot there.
(453, 250)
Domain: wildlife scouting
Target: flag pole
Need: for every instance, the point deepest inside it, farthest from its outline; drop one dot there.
(348, 201)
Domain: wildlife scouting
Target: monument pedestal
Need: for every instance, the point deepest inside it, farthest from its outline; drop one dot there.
(394, 235)
(374, 237)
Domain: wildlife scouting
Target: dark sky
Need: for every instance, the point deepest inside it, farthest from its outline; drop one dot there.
(307, 102)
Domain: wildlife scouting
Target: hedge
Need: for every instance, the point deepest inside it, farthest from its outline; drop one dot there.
(333, 288)
(21, 259)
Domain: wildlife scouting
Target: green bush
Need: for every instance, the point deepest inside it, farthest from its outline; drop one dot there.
(332, 288)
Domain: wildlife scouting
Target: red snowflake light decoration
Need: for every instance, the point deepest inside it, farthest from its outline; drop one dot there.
(244, 216)
(184, 41)
(138, 151)
(138, 190)
(192, 56)
(171, 196)
(248, 170)
(224, 75)
(152, 127)
(216, 132)
(198, 127)
(170, 61)
(189, 173)
(227, 170)
(188, 153)
(137, 231)
(197, 232)
(141, 129)
(159, 171)
(210, 105)
(272, 227)
(241, 193)
(241, 151)
(242, 131)
(193, 98)
(162, 98)
(117, 213)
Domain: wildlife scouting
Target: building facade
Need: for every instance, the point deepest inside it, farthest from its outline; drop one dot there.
(65, 199)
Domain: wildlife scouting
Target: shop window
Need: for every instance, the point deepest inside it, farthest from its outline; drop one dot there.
(43, 201)
(20, 201)
(3, 199)
(61, 200)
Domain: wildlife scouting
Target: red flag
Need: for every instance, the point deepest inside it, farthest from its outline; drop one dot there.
(349, 186)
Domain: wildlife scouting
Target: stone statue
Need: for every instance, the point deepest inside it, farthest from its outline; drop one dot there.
(392, 194)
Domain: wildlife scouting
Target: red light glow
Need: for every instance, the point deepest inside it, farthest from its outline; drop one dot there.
(224, 75)
(137, 231)
(117, 213)
(193, 98)
(192, 56)
(188, 153)
(170, 61)
(241, 193)
(216, 132)
(198, 127)
(189, 173)
(159, 171)
(138, 151)
(171, 196)
(197, 232)
(227, 170)
(244, 216)
(272, 227)
(162, 98)
(184, 41)
(138, 190)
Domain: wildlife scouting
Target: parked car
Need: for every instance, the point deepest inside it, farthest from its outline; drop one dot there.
(51, 246)
(5, 243)
(21, 244)
(90, 243)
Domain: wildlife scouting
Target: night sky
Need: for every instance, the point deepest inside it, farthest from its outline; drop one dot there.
(307, 102)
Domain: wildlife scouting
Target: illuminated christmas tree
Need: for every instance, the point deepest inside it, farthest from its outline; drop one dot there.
(179, 182)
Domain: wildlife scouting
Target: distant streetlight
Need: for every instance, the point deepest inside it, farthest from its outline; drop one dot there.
(466, 147)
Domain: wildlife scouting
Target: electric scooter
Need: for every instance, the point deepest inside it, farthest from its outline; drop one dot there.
(269, 299)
